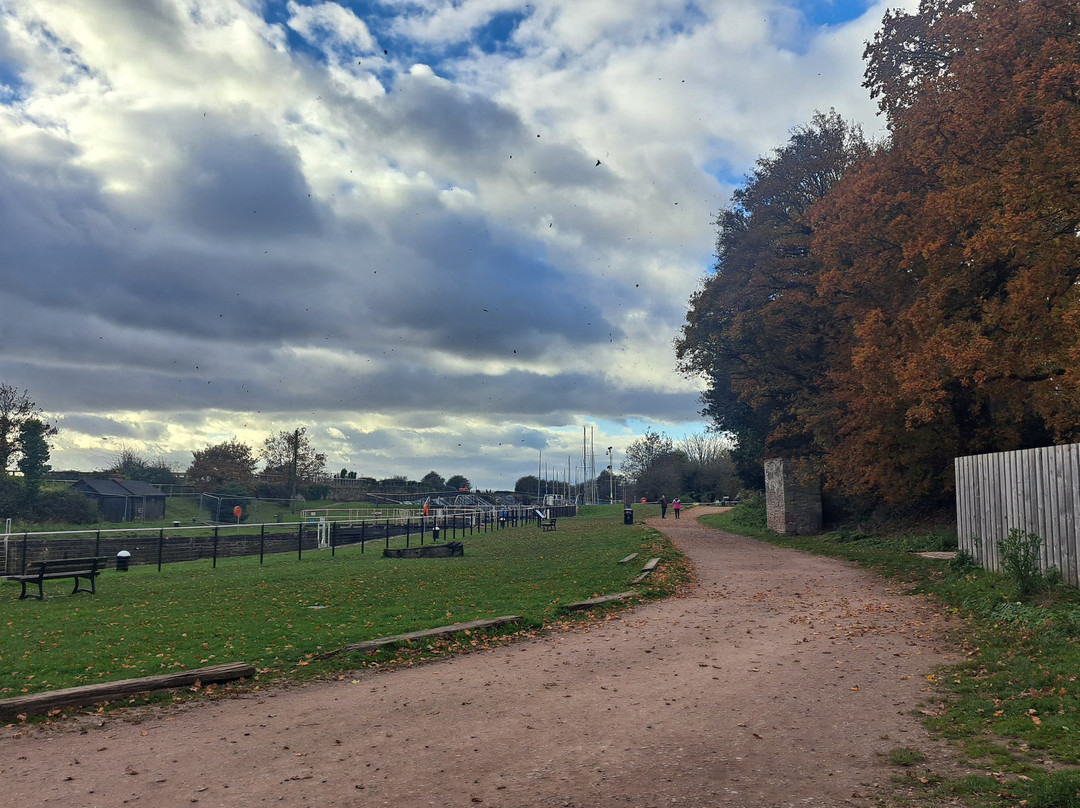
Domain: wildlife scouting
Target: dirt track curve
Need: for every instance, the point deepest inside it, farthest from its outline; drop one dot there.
(780, 679)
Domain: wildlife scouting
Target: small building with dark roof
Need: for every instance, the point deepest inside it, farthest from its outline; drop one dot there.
(123, 500)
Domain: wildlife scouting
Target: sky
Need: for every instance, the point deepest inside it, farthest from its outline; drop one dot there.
(441, 235)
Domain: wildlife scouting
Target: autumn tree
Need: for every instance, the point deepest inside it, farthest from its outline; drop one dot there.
(757, 332)
(220, 463)
(16, 408)
(953, 250)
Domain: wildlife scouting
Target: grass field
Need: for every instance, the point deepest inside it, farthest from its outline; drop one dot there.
(279, 616)
(1012, 706)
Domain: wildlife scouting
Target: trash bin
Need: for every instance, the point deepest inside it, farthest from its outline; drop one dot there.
(628, 516)
(123, 559)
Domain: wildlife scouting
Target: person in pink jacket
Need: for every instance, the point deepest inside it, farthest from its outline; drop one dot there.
(676, 506)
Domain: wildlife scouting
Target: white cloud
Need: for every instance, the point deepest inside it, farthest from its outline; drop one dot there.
(338, 27)
(218, 235)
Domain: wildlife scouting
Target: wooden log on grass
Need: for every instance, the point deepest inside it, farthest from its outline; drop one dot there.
(650, 565)
(440, 631)
(38, 703)
(599, 600)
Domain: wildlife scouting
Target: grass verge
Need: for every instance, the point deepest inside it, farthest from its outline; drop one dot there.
(281, 615)
(1012, 706)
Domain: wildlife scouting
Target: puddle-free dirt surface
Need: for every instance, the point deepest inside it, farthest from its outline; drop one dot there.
(779, 679)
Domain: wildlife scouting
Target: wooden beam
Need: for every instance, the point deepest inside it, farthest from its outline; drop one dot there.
(81, 696)
(628, 559)
(600, 599)
(454, 628)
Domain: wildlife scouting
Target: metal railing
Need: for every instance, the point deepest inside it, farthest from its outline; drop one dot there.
(161, 545)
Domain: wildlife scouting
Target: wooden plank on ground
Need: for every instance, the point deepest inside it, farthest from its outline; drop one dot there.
(600, 599)
(454, 628)
(628, 559)
(650, 565)
(38, 703)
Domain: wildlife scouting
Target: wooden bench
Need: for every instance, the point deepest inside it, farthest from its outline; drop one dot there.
(547, 524)
(51, 569)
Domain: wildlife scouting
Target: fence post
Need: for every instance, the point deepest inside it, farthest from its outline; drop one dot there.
(333, 538)
(97, 544)
(387, 533)
(262, 541)
(160, 543)
(363, 538)
(24, 539)
(215, 545)
(300, 542)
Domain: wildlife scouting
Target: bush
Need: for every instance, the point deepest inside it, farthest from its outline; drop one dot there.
(67, 507)
(963, 561)
(315, 492)
(12, 498)
(1019, 555)
(231, 495)
(750, 512)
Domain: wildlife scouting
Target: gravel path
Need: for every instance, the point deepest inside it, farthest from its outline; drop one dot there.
(779, 679)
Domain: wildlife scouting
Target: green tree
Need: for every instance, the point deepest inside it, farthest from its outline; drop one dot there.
(457, 482)
(229, 496)
(33, 456)
(130, 465)
(432, 482)
(220, 463)
(666, 475)
(643, 453)
(710, 472)
(16, 408)
(291, 456)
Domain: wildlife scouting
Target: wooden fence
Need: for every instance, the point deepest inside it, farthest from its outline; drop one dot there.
(1034, 490)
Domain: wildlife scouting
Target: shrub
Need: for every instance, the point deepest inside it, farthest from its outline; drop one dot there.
(67, 507)
(1019, 556)
(963, 561)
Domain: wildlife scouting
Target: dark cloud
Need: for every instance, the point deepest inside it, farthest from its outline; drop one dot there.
(238, 186)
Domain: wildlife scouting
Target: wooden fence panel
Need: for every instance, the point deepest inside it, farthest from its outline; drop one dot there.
(1034, 490)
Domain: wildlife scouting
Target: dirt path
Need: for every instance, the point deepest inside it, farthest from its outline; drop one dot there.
(781, 679)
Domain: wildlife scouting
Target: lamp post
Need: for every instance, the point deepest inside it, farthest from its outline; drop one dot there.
(610, 478)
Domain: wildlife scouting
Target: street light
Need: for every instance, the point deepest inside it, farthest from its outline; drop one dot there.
(610, 478)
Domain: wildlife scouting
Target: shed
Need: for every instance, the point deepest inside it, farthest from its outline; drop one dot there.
(123, 500)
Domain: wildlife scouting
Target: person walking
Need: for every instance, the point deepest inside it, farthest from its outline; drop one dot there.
(676, 506)
(663, 507)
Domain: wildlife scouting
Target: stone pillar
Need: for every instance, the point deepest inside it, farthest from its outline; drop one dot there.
(792, 496)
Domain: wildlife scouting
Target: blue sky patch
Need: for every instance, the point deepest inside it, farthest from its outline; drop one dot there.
(833, 12)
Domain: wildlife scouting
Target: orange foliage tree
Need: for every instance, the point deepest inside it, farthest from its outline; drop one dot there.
(889, 309)
(953, 251)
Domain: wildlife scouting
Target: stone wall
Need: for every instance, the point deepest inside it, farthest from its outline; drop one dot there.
(792, 496)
